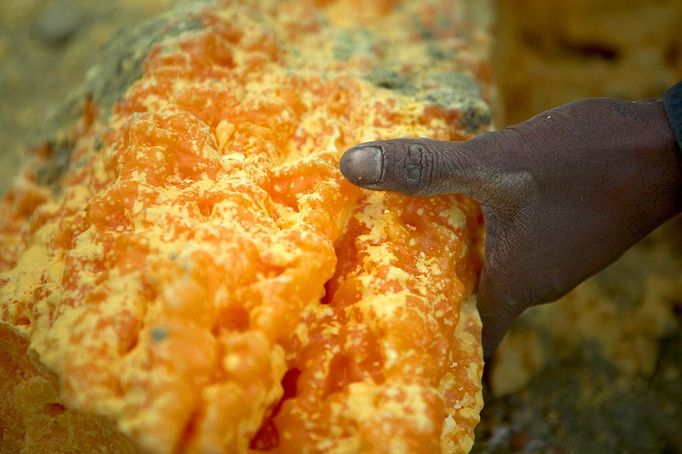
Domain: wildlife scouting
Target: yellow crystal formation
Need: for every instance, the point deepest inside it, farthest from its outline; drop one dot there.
(203, 279)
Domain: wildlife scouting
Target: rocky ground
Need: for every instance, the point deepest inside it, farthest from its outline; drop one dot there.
(600, 370)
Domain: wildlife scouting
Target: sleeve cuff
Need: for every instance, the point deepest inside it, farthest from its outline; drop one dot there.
(672, 100)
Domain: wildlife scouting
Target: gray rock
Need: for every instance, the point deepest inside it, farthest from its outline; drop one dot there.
(58, 22)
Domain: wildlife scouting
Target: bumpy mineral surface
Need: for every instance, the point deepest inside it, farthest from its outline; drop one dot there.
(185, 269)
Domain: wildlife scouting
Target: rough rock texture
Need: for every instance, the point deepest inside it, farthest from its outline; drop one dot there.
(46, 47)
(184, 256)
(33, 418)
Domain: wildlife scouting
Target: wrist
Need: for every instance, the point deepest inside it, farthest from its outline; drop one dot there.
(664, 156)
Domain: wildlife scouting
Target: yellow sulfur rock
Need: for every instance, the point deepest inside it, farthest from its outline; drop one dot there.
(201, 278)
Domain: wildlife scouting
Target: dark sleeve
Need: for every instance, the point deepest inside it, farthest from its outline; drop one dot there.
(672, 99)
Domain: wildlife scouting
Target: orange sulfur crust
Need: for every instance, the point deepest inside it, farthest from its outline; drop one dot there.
(204, 257)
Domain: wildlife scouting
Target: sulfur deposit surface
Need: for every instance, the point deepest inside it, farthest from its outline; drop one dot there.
(187, 268)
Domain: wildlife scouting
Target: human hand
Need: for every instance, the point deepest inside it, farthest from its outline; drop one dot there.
(563, 194)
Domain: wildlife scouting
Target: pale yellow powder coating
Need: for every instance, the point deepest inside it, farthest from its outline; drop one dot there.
(211, 248)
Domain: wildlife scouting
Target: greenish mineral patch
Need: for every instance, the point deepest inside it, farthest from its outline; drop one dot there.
(118, 66)
(439, 52)
(52, 170)
(452, 90)
(350, 42)
(159, 334)
(449, 90)
(391, 80)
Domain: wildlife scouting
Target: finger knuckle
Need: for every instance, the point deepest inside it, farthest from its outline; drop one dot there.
(418, 165)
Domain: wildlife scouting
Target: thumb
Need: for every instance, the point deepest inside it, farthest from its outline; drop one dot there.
(411, 166)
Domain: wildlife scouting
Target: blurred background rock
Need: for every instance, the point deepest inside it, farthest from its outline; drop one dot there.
(46, 46)
(599, 371)
(552, 52)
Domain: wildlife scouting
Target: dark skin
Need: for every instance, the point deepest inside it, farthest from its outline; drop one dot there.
(563, 194)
